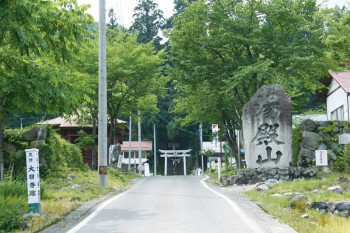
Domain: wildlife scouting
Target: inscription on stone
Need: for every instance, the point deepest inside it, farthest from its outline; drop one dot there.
(267, 128)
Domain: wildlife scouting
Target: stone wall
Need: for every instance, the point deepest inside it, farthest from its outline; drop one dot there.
(253, 176)
(318, 136)
(34, 136)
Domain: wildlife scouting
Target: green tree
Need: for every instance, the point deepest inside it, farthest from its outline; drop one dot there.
(112, 18)
(337, 36)
(225, 50)
(134, 78)
(180, 6)
(148, 20)
(36, 39)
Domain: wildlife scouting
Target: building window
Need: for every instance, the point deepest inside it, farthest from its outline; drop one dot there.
(338, 114)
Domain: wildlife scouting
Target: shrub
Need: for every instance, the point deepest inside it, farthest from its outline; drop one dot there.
(342, 164)
(13, 189)
(13, 204)
(57, 155)
(11, 213)
(296, 140)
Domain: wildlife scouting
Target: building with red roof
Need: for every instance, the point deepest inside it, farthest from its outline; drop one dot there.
(338, 96)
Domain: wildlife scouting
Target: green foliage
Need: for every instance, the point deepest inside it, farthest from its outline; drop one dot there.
(116, 174)
(228, 171)
(85, 140)
(36, 39)
(57, 155)
(15, 161)
(342, 164)
(207, 152)
(330, 128)
(148, 20)
(235, 50)
(337, 36)
(280, 206)
(296, 140)
(14, 136)
(13, 204)
(11, 213)
(13, 189)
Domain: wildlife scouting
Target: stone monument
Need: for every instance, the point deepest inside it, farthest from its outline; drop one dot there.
(267, 128)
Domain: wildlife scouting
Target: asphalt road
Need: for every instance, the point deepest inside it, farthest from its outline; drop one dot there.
(174, 204)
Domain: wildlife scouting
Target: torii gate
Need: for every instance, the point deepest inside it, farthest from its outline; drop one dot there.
(174, 153)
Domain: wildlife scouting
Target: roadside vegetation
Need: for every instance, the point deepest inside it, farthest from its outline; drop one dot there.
(66, 182)
(315, 190)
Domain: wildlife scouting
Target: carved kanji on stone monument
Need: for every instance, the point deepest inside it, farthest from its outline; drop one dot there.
(267, 128)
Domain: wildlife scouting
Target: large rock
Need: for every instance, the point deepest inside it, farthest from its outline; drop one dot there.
(325, 123)
(343, 205)
(309, 172)
(309, 125)
(9, 148)
(267, 124)
(322, 146)
(298, 200)
(318, 205)
(310, 140)
(332, 155)
(36, 143)
(36, 133)
(306, 157)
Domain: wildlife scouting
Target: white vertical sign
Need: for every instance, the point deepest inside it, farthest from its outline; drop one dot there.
(215, 130)
(120, 160)
(111, 155)
(321, 158)
(33, 180)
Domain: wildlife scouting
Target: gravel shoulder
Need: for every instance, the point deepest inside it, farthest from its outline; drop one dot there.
(266, 221)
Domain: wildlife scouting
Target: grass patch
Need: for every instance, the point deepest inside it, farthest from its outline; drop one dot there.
(317, 222)
(60, 196)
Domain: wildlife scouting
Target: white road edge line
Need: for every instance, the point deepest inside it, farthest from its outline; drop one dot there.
(240, 213)
(93, 214)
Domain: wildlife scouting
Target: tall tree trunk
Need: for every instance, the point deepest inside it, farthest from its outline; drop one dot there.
(233, 144)
(2, 136)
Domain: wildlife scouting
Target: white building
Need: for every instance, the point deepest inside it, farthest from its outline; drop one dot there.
(338, 96)
(146, 147)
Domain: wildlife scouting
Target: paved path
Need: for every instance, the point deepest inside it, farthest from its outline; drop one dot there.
(175, 204)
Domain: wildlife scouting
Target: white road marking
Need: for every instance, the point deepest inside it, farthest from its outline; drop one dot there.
(93, 214)
(240, 213)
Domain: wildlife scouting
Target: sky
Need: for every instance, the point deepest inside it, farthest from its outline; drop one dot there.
(125, 8)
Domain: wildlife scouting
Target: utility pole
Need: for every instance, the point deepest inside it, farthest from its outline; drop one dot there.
(201, 144)
(130, 130)
(139, 136)
(102, 98)
(239, 151)
(155, 150)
